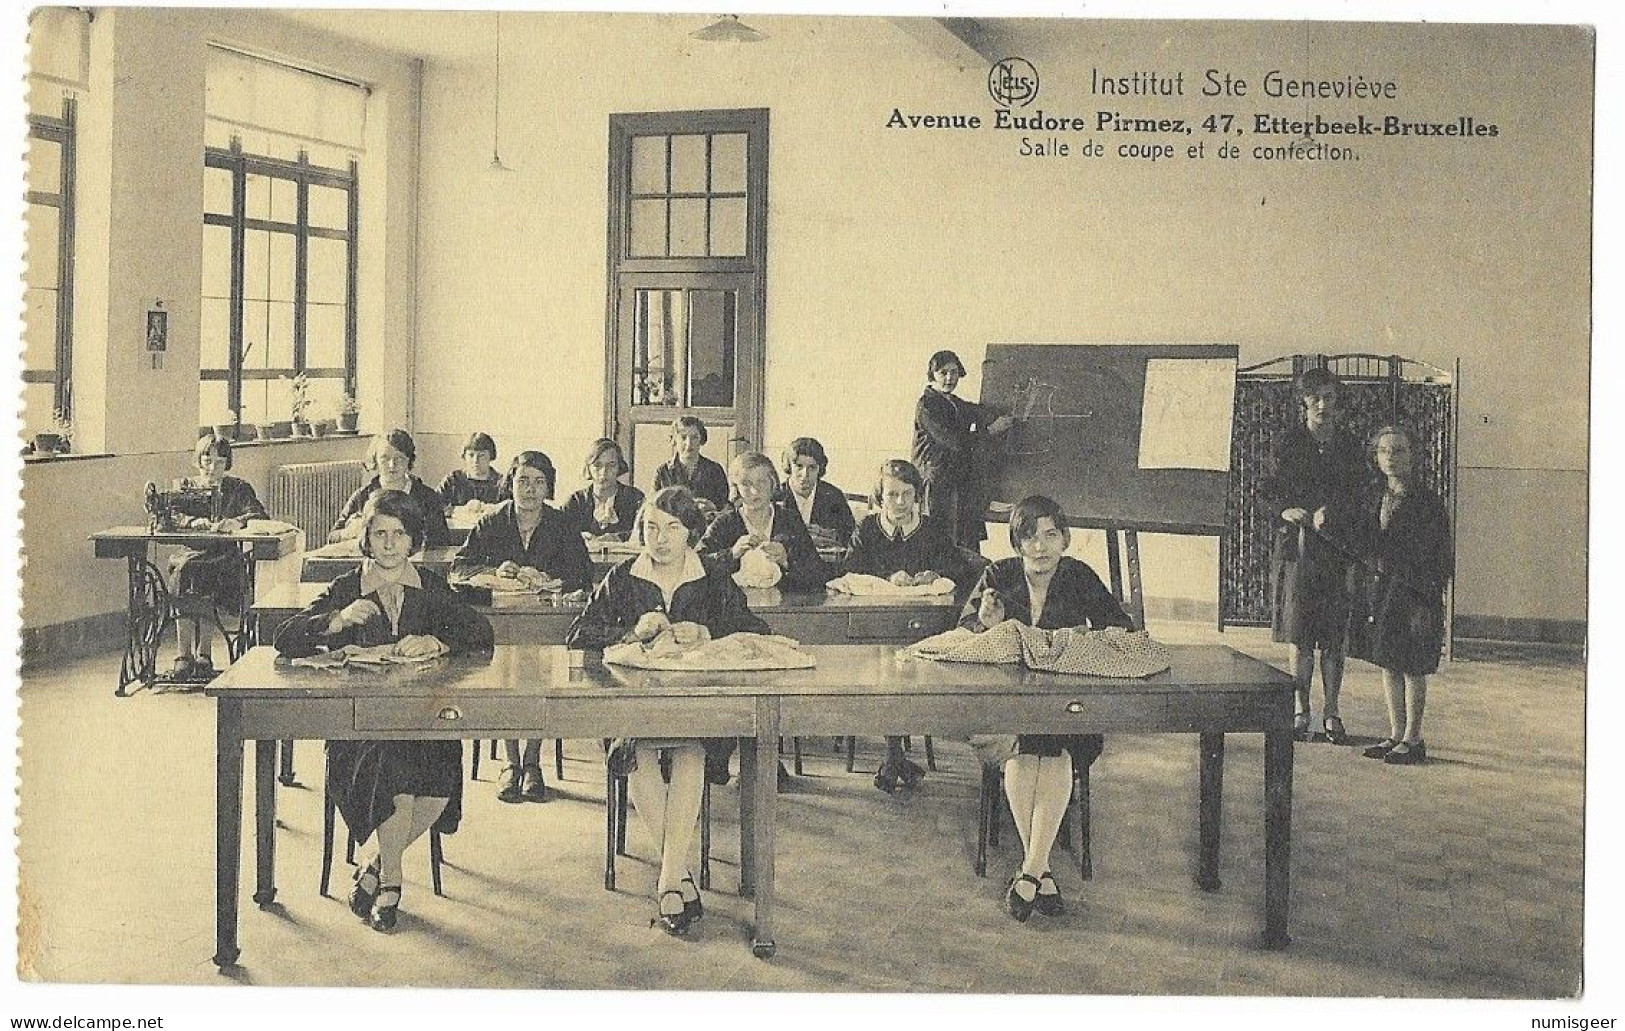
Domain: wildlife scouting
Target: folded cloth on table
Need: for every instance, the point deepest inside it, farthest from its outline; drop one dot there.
(757, 570)
(357, 655)
(497, 583)
(864, 585)
(268, 526)
(1112, 652)
(734, 652)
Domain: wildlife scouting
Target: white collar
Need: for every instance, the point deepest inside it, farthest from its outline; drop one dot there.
(643, 567)
(374, 576)
(891, 529)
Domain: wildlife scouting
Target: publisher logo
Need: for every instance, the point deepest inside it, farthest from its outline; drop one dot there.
(1013, 82)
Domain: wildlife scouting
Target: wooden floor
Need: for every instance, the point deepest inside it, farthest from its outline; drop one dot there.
(1480, 850)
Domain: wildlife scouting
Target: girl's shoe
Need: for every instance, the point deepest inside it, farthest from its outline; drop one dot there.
(672, 923)
(693, 908)
(1019, 907)
(1300, 727)
(1380, 749)
(1049, 902)
(365, 890)
(910, 773)
(1414, 754)
(887, 777)
(1335, 734)
(386, 908)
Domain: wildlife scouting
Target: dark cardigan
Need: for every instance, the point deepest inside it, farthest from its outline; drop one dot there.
(830, 509)
(435, 532)
(807, 570)
(555, 547)
(579, 508)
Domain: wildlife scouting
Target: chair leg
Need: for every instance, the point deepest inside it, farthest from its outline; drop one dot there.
(474, 763)
(930, 755)
(623, 799)
(984, 819)
(795, 748)
(1086, 863)
(610, 784)
(436, 857)
(705, 837)
(329, 811)
(493, 749)
(908, 743)
(851, 753)
(558, 758)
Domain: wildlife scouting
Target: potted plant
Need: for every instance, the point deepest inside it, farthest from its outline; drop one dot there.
(349, 413)
(56, 440)
(225, 424)
(301, 406)
(265, 428)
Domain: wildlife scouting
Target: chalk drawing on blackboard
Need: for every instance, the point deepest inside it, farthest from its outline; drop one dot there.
(1036, 411)
(1186, 414)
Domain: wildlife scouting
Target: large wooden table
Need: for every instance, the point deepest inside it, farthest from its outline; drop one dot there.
(527, 690)
(331, 561)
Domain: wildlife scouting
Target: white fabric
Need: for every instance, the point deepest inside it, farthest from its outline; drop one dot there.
(864, 585)
(1112, 652)
(496, 583)
(356, 655)
(734, 652)
(757, 570)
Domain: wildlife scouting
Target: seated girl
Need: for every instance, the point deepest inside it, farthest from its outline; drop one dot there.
(212, 573)
(395, 789)
(476, 480)
(1045, 588)
(606, 507)
(667, 588)
(390, 460)
(705, 479)
(898, 542)
(822, 505)
(757, 521)
(526, 538)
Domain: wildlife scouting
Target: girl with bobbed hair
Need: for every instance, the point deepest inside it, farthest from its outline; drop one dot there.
(821, 504)
(390, 460)
(951, 436)
(606, 507)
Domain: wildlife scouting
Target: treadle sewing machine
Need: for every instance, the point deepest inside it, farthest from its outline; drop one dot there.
(169, 510)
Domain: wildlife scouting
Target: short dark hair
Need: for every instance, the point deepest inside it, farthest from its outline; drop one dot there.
(396, 438)
(537, 460)
(212, 444)
(596, 452)
(898, 469)
(805, 447)
(690, 422)
(395, 503)
(1312, 381)
(679, 502)
(942, 360)
(482, 442)
(1025, 516)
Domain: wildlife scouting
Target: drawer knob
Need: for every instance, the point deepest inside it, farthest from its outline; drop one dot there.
(450, 712)
(1074, 707)
(915, 624)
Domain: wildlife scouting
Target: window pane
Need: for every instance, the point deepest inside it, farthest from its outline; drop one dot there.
(648, 164)
(39, 329)
(216, 334)
(728, 226)
(280, 286)
(324, 336)
(217, 133)
(648, 228)
(329, 207)
(284, 200)
(216, 261)
(711, 348)
(254, 405)
(328, 271)
(324, 397)
(216, 190)
(280, 335)
(258, 199)
(38, 411)
(688, 226)
(688, 164)
(256, 318)
(44, 222)
(657, 326)
(256, 264)
(279, 399)
(728, 163)
(211, 402)
(44, 165)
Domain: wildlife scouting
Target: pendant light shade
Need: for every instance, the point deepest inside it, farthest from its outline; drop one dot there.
(728, 29)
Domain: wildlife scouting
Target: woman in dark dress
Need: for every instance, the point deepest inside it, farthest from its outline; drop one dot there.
(476, 480)
(1319, 471)
(950, 438)
(390, 460)
(1045, 588)
(606, 507)
(667, 587)
(821, 504)
(1402, 533)
(758, 521)
(396, 789)
(215, 573)
(526, 538)
(705, 479)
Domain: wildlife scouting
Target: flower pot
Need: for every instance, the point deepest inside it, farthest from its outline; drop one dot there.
(347, 421)
(302, 429)
(227, 430)
(49, 443)
(320, 427)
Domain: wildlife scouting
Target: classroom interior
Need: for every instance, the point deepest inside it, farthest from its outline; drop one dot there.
(484, 299)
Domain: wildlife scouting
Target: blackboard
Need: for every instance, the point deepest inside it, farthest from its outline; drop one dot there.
(1077, 437)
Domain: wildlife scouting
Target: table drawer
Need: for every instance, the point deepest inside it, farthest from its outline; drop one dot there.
(450, 714)
(560, 717)
(902, 626)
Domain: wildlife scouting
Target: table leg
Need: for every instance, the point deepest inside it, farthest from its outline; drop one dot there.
(1209, 806)
(747, 817)
(764, 787)
(285, 774)
(265, 822)
(228, 828)
(1277, 836)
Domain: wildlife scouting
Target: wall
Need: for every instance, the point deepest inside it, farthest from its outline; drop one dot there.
(884, 246)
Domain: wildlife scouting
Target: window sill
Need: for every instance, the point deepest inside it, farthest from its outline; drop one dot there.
(279, 441)
(70, 456)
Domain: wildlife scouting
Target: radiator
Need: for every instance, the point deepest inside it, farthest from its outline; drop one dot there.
(310, 495)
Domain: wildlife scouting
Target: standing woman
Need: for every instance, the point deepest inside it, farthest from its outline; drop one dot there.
(1319, 469)
(397, 790)
(214, 573)
(667, 587)
(606, 507)
(390, 459)
(949, 435)
(1045, 588)
(526, 538)
(1397, 620)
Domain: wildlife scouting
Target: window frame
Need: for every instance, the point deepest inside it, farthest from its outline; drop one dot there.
(62, 132)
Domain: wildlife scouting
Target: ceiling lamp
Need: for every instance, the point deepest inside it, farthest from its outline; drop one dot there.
(728, 29)
(496, 104)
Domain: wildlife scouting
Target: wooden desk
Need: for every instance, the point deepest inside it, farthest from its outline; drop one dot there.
(149, 605)
(526, 690)
(331, 561)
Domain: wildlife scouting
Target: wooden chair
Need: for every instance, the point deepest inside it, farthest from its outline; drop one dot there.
(329, 814)
(908, 746)
(558, 758)
(990, 816)
(616, 805)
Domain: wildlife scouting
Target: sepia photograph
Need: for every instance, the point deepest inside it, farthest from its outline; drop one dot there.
(926, 503)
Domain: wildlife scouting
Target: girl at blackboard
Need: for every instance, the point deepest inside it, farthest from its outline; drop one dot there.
(1319, 469)
(949, 433)
(1402, 533)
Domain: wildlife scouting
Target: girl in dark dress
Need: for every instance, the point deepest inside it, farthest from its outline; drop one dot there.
(1319, 470)
(759, 521)
(950, 435)
(667, 587)
(1043, 588)
(606, 507)
(390, 460)
(899, 543)
(821, 504)
(212, 573)
(705, 479)
(1397, 620)
(476, 480)
(525, 538)
(396, 789)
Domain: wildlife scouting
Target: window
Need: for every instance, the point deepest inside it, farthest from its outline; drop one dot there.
(48, 288)
(280, 226)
